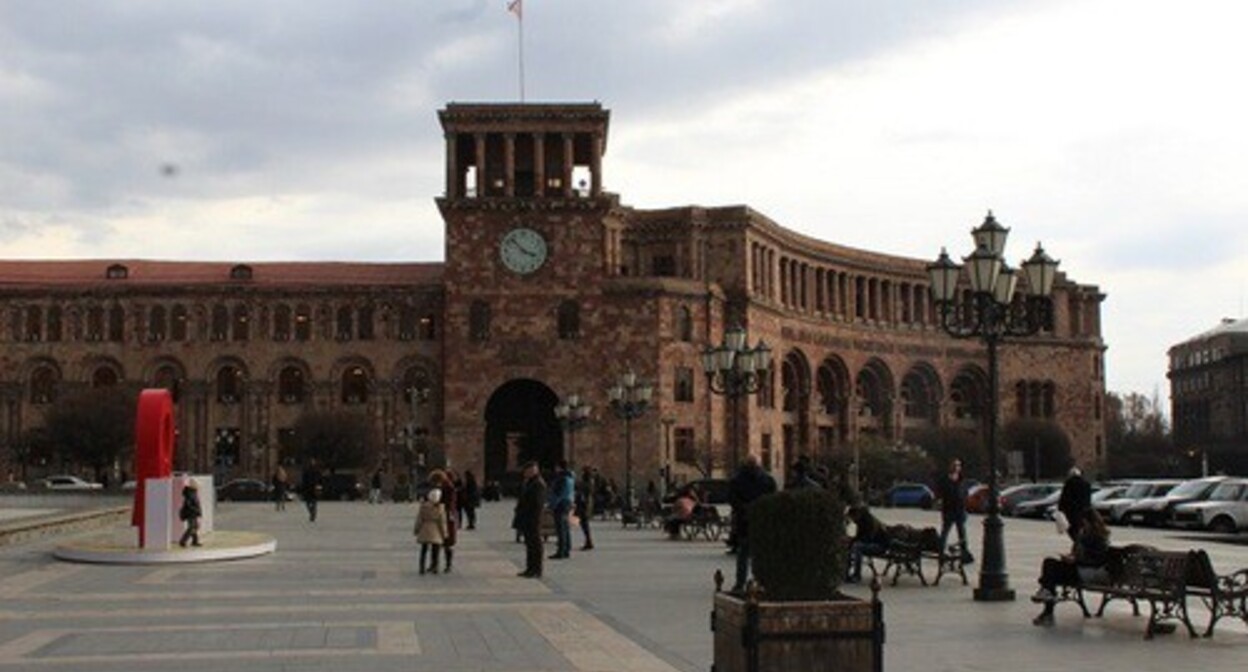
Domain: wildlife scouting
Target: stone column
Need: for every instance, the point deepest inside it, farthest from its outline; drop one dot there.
(539, 164)
(509, 164)
(478, 140)
(568, 158)
(452, 166)
(595, 165)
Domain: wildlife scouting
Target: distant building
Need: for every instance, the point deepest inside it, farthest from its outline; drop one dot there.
(1209, 395)
(550, 286)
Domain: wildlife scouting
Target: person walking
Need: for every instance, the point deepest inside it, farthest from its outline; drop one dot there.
(529, 519)
(1074, 502)
(870, 537)
(431, 529)
(190, 513)
(749, 483)
(584, 505)
(562, 488)
(951, 489)
(374, 488)
(311, 487)
(469, 501)
(445, 482)
(280, 487)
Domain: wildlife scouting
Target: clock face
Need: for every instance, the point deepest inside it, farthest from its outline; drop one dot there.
(523, 250)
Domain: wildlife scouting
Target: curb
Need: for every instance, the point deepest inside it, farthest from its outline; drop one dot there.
(25, 530)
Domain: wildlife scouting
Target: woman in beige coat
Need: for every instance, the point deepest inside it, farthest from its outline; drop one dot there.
(431, 529)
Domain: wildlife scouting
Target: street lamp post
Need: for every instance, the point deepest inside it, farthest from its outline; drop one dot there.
(573, 414)
(628, 399)
(991, 313)
(734, 370)
(416, 395)
(665, 469)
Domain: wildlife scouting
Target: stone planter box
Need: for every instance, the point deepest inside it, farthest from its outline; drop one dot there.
(755, 636)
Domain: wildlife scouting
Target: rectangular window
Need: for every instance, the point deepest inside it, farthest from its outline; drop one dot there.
(684, 384)
(682, 438)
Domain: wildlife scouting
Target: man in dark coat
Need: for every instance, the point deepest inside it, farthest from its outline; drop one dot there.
(1075, 500)
(951, 489)
(749, 483)
(311, 487)
(529, 519)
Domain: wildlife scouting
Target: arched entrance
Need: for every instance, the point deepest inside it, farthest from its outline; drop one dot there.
(520, 425)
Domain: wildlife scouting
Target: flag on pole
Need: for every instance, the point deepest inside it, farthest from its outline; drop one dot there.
(516, 7)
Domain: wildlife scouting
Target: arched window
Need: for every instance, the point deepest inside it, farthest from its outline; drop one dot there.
(364, 320)
(104, 376)
(55, 324)
(95, 324)
(178, 323)
(116, 324)
(355, 385)
(344, 324)
(281, 322)
(116, 272)
(479, 321)
(569, 320)
(407, 323)
(43, 385)
(241, 272)
(229, 385)
(166, 378)
(303, 323)
(242, 321)
(415, 378)
(290, 385)
(157, 324)
(220, 323)
(34, 323)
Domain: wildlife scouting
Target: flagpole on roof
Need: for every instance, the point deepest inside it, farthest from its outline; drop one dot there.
(517, 7)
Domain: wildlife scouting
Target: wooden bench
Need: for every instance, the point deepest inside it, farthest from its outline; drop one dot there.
(1141, 574)
(907, 548)
(707, 523)
(1222, 595)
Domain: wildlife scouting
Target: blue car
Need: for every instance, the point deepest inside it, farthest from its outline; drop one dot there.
(909, 494)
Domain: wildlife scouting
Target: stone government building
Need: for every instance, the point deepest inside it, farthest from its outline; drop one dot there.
(550, 286)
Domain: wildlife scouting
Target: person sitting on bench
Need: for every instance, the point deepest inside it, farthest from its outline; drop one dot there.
(1086, 562)
(683, 508)
(870, 537)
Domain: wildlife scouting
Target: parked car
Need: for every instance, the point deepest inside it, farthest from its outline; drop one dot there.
(1099, 494)
(342, 486)
(909, 494)
(64, 482)
(245, 490)
(1039, 507)
(1156, 511)
(1014, 495)
(1113, 508)
(1225, 511)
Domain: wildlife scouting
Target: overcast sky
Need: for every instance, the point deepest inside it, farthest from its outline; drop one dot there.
(1112, 130)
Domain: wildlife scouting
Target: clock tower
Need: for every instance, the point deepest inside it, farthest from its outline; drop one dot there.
(531, 238)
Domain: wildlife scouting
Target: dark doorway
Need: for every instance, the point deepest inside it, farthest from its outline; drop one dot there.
(520, 425)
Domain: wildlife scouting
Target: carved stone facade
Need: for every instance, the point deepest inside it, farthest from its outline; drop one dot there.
(552, 286)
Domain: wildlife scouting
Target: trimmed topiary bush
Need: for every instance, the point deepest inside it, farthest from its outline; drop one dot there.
(796, 544)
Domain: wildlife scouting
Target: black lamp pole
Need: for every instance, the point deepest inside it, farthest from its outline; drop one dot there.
(990, 312)
(573, 414)
(629, 398)
(734, 371)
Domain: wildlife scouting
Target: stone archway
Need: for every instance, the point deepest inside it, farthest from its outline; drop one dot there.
(520, 425)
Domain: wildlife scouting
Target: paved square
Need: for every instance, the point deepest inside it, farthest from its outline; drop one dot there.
(343, 595)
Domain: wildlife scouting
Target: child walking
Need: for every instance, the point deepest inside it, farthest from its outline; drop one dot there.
(431, 529)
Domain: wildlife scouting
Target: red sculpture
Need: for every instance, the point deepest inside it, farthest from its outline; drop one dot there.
(153, 451)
